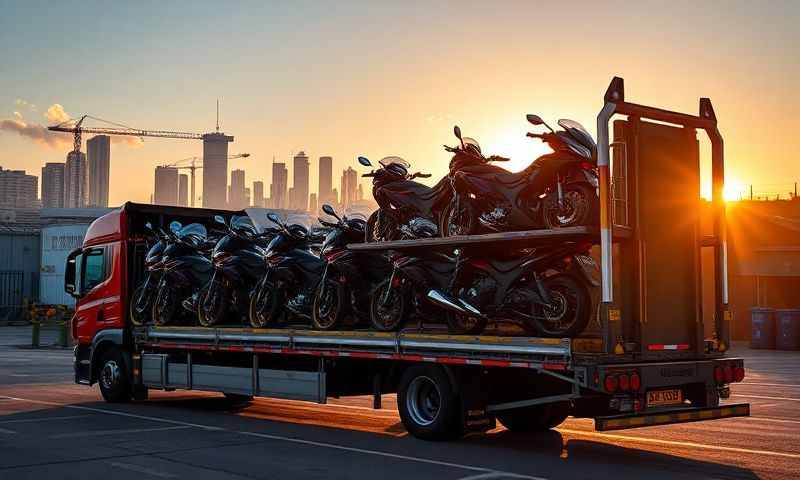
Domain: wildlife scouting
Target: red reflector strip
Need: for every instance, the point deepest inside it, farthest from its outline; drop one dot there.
(661, 346)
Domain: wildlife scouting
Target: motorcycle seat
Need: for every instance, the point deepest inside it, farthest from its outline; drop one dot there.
(416, 189)
(509, 264)
(512, 179)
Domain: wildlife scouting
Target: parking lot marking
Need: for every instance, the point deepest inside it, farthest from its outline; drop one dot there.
(770, 419)
(141, 469)
(674, 443)
(42, 419)
(281, 438)
(764, 397)
(96, 433)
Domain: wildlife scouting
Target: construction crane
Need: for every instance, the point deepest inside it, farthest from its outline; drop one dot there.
(193, 166)
(77, 129)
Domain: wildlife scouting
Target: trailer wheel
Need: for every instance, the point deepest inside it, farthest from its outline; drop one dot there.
(115, 383)
(428, 405)
(537, 418)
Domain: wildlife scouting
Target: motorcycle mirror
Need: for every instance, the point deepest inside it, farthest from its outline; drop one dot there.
(330, 211)
(457, 133)
(534, 119)
(220, 219)
(364, 161)
(174, 226)
(274, 218)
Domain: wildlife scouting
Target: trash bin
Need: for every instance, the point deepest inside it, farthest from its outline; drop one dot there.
(763, 324)
(787, 329)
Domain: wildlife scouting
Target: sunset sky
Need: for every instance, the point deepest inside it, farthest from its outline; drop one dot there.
(359, 78)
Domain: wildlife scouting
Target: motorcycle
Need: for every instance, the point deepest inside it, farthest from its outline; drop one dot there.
(292, 276)
(185, 270)
(558, 189)
(142, 298)
(551, 289)
(349, 277)
(400, 198)
(238, 262)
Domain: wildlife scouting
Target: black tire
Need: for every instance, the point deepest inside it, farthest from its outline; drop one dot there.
(572, 308)
(113, 377)
(537, 418)
(165, 306)
(265, 306)
(452, 222)
(389, 316)
(580, 207)
(217, 309)
(327, 313)
(138, 317)
(428, 404)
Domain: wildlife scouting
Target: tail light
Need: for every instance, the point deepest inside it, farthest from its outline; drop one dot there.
(727, 372)
(624, 382)
(738, 374)
(636, 382)
(611, 383)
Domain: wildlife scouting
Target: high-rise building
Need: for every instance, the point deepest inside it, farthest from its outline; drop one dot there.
(53, 185)
(312, 204)
(18, 189)
(166, 186)
(247, 203)
(236, 199)
(183, 190)
(349, 187)
(300, 184)
(258, 194)
(215, 169)
(98, 156)
(360, 192)
(75, 181)
(279, 185)
(325, 190)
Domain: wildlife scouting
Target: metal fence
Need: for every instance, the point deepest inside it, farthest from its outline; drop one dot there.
(11, 291)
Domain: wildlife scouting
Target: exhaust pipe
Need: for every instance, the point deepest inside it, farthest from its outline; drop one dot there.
(444, 300)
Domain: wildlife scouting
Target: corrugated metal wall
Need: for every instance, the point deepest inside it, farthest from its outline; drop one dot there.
(57, 242)
(20, 252)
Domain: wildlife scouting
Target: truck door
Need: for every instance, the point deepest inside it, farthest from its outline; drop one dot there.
(98, 304)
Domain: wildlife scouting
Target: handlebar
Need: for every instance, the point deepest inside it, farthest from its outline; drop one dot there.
(421, 175)
(498, 158)
(370, 174)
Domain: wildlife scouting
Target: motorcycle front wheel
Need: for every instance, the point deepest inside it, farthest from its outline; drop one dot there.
(265, 306)
(382, 228)
(212, 306)
(138, 309)
(579, 207)
(388, 314)
(328, 310)
(569, 311)
(165, 306)
(457, 221)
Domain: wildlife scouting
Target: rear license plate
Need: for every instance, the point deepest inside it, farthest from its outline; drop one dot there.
(664, 397)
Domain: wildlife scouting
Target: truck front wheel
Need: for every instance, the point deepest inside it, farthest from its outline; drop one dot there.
(428, 404)
(115, 383)
(537, 418)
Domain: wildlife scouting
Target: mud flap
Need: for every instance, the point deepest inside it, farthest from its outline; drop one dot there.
(474, 395)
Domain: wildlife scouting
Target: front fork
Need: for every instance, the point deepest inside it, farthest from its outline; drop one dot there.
(388, 291)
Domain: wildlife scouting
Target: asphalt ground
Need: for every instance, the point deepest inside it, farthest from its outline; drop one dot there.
(51, 428)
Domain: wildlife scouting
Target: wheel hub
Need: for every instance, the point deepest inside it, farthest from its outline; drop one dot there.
(423, 401)
(109, 376)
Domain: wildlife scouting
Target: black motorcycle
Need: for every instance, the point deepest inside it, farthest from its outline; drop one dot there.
(349, 278)
(185, 270)
(400, 198)
(141, 303)
(550, 289)
(293, 272)
(558, 189)
(238, 261)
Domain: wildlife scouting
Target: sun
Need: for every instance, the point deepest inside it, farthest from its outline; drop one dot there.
(733, 190)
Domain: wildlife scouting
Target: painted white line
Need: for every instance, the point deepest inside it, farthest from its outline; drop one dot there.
(141, 469)
(284, 439)
(42, 419)
(674, 443)
(494, 476)
(387, 454)
(768, 384)
(97, 433)
(763, 397)
(770, 419)
(113, 412)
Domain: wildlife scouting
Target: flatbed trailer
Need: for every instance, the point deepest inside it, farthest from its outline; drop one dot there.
(651, 360)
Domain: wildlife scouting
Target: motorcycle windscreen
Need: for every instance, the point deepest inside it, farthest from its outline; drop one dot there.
(661, 263)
